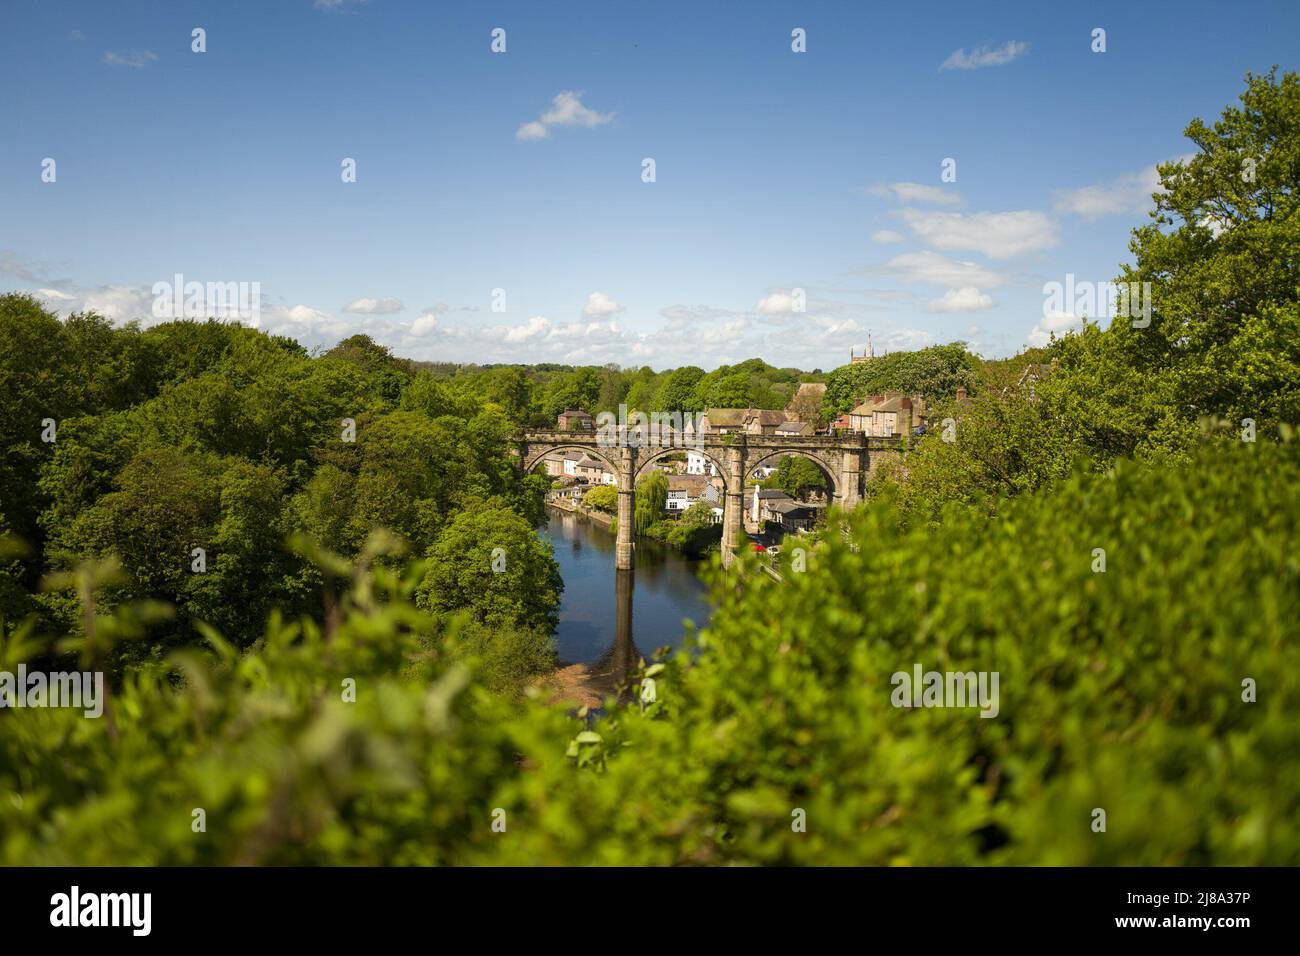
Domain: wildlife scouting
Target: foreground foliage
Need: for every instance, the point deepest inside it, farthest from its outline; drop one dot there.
(1120, 690)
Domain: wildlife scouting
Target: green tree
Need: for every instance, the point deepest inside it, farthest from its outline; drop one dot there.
(695, 531)
(933, 373)
(643, 392)
(323, 509)
(602, 498)
(489, 562)
(411, 475)
(248, 572)
(723, 389)
(164, 504)
(1220, 256)
(577, 389)
(651, 498)
(38, 384)
(512, 390)
(799, 477)
(678, 392)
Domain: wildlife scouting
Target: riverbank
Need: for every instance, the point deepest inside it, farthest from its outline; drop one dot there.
(563, 503)
(578, 685)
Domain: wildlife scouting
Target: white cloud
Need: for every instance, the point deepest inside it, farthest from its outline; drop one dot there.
(982, 56)
(374, 306)
(425, 324)
(966, 299)
(930, 268)
(821, 337)
(832, 327)
(686, 335)
(537, 325)
(532, 130)
(303, 315)
(309, 326)
(886, 235)
(118, 303)
(124, 303)
(915, 192)
(135, 59)
(566, 109)
(702, 335)
(777, 303)
(1058, 322)
(998, 235)
(599, 305)
(1128, 195)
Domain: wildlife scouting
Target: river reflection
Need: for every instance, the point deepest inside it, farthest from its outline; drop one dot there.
(610, 618)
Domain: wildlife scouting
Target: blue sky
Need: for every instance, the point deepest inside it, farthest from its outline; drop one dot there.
(775, 170)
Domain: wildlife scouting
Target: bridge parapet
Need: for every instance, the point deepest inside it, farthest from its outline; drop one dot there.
(688, 441)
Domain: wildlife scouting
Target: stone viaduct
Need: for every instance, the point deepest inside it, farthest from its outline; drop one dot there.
(848, 460)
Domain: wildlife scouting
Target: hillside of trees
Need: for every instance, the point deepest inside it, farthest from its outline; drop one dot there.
(209, 464)
(347, 683)
(535, 394)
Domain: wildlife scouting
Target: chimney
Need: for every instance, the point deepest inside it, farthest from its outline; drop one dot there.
(961, 393)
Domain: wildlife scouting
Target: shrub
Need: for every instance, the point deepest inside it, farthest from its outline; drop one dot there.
(602, 498)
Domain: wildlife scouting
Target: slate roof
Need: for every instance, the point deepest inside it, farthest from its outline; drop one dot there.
(693, 485)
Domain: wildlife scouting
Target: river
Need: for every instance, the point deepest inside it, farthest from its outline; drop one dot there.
(609, 618)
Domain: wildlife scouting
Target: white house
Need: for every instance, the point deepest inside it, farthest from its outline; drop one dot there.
(571, 459)
(685, 490)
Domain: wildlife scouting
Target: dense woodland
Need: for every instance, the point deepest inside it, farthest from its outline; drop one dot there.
(1170, 448)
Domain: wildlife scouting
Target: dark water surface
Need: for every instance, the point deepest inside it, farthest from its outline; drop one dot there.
(609, 616)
